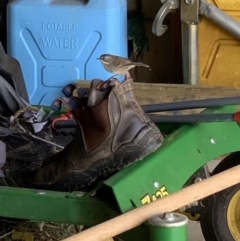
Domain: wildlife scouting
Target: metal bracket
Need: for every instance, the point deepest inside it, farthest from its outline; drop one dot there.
(158, 28)
(190, 11)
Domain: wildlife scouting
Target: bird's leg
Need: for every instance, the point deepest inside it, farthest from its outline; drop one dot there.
(127, 76)
(112, 77)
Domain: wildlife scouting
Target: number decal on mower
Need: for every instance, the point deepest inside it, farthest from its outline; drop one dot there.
(161, 192)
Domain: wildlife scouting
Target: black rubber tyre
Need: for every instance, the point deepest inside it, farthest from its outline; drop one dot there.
(214, 222)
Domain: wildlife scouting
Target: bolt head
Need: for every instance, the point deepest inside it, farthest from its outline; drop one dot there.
(156, 184)
(198, 179)
(189, 2)
(212, 140)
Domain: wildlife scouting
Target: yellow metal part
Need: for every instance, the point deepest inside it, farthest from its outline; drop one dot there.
(233, 216)
(219, 51)
(190, 216)
(22, 236)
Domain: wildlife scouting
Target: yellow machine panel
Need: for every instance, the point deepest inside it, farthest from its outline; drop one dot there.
(219, 51)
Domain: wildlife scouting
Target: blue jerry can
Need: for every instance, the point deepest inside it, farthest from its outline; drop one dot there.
(59, 41)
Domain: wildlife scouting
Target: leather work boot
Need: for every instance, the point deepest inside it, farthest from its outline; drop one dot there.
(112, 132)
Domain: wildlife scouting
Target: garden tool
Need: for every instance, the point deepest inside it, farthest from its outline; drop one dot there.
(159, 119)
(191, 104)
(112, 132)
(196, 118)
(65, 116)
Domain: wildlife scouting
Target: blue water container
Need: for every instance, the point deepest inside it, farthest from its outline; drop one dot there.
(59, 41)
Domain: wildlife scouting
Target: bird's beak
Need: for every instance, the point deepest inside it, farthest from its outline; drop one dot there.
(97, 58)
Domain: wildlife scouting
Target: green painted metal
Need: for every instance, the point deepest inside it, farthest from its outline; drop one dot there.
(53, 206)
(165, 171)
(182, 153)
(168, 227)
(168, 234)
(140, 233)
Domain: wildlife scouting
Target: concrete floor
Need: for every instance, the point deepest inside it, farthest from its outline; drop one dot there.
(194, 232)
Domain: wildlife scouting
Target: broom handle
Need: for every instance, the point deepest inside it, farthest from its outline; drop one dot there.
(169, 203)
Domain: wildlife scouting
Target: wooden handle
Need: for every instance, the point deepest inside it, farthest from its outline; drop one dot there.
(169, 203)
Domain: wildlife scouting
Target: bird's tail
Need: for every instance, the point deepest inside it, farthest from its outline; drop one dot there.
(142, 65)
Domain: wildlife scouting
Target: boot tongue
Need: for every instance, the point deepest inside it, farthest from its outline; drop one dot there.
(99, 91)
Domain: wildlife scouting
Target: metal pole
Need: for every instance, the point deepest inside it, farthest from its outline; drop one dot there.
(168, 227)
(220, 18)
(190, 53)
(192, 104)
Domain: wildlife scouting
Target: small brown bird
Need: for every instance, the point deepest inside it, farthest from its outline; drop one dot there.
(119, 65)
